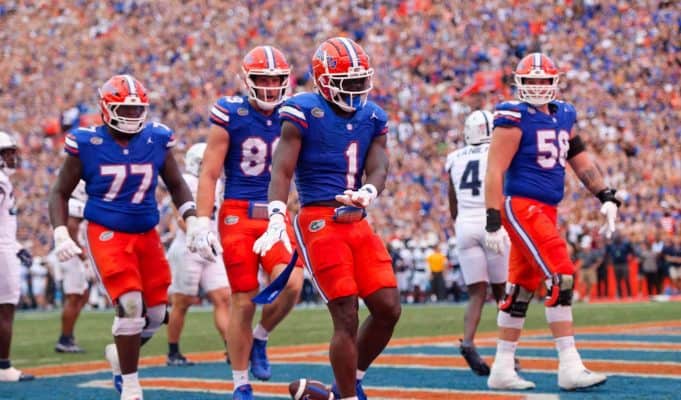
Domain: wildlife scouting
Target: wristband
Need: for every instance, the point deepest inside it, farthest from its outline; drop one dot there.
(188, 205)
(608, 194)
(493, 220)
(276, 207)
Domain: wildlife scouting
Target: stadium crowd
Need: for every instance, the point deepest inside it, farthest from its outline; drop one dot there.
(434, 62)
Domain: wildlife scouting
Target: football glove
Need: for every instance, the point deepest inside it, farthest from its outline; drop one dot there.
(64, 246)
(360, 198)
(201, 239)
(276, 230)
(609, 210)
(25, 258)
(497, 241)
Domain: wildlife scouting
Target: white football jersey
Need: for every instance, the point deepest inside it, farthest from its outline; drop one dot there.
(466, 168)
(8, 215)
(77, 200)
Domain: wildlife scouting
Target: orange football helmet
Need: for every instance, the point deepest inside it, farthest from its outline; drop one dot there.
(266, 61)
(123, 102)
(342, 73)
(531, 69)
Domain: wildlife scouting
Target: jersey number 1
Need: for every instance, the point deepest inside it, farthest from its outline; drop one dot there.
(470, 179)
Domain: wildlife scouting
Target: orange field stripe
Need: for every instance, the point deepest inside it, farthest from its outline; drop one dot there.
(537, 364)
(598, 344)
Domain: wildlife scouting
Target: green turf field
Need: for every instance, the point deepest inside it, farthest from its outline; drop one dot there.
(35, 333)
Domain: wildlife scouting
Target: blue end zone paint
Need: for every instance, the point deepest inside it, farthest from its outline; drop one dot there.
(587, 354)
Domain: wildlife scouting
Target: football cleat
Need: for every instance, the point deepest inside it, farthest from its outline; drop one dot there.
(68, 347)
(474, 361)
(358, 390)
(260, 365)
(507, 380)
(178, 360)
(111, 355)
(132, 394)
(243, 392)
(12, 374)
(577, 378)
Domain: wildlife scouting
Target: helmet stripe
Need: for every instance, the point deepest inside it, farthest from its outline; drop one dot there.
(351, 51)
(270, 57)
(484, 115)
(131, 85)
(537, 60)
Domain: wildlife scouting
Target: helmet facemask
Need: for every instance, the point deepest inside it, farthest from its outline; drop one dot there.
(538, 93)
(349, 91)
(128, 116)
(262, 95)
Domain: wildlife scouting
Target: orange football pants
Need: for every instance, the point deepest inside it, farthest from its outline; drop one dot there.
(344, 259)
(537, 249)
(127, 262)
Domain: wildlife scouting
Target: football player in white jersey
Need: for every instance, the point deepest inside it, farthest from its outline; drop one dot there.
(480, 267)
(10, 268)
(74, 276)
(190, 270)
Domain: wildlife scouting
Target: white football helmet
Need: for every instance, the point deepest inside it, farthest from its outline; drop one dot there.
(193, 158)
(8, 153)
(478, 127)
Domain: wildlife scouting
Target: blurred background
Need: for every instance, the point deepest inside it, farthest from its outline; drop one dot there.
(435, 61)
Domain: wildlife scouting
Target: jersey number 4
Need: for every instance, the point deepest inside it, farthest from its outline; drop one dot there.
(470, 179)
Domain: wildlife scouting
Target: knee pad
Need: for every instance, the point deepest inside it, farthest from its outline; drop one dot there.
(560, 289)
(155, 317)
(129, 318)
(517, 300)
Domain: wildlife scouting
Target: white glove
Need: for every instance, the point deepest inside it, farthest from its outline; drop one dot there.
(497, 241)
(64, 246)
(201, 239)
(276, 230)
(609, 209)
(360, 198)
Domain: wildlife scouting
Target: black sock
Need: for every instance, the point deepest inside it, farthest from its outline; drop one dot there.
(65, 339)
(4, 364)
(173, 348)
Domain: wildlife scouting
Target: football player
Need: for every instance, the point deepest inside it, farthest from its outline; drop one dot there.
(190, 271)
(331, 139)
(120, 162)
(480, 267)
(74, 275)
(241, 143)
(532, 144)
(10, 262)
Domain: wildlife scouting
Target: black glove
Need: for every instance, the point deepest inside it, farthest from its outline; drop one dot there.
(25, 258)
(493, 220)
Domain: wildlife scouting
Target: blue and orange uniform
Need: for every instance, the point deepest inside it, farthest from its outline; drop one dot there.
(533, 186)
(243, 217)
(343, 258)
(121, 210)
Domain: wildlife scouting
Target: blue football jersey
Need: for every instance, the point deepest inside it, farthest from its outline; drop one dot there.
(121, 181)
(537, 170)
(333, 148)
(252, 139)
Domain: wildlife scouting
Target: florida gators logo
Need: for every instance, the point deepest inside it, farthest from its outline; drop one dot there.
(317, 225)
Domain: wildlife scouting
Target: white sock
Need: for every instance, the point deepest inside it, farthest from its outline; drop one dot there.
(505, 355)
(360, 374)
(260, 333)
(567, 351)
(131, 380)
(240, 378)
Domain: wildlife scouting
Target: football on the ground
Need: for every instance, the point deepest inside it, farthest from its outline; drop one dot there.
(308, 389)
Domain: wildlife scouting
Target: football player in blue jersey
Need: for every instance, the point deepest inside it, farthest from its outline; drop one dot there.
(240, 144)
(120, 163)
(532, 144)
(331, 139)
